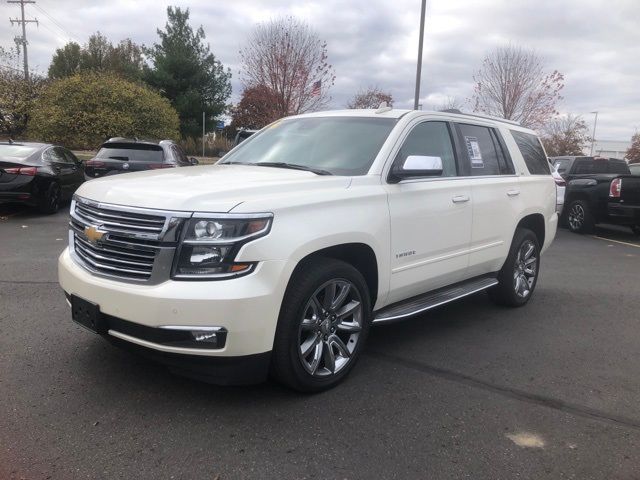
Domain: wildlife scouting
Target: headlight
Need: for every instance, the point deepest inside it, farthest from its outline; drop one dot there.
(209, 245)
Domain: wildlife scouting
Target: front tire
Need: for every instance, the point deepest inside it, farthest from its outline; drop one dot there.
(519, 275)
(323, 325)
(579, 217)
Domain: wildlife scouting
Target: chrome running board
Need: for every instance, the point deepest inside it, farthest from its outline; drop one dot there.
(429, 300)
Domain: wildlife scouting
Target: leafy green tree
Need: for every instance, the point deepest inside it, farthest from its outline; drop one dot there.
(17, 96)
(66, 61)
(98, 55)
(83, 110)
(187, 73)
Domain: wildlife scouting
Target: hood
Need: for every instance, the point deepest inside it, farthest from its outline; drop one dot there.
(208, 188)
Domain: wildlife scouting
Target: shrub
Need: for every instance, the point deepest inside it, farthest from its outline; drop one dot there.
(83, 110)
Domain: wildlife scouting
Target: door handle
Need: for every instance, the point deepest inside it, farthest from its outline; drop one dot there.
(460, 199)
(513, 193)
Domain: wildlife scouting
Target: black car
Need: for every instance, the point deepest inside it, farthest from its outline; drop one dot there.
(122, 155)
(38, 174)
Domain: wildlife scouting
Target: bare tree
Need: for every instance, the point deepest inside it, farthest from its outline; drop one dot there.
(565, 135)
(370, 97)
(513, 84)
(287, 56)
(633, 152)
(450, 103)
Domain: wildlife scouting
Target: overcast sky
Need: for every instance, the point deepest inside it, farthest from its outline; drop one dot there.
(594, 43)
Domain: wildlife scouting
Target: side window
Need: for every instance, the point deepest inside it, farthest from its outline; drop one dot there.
(583, 167)
(69, 156)
(54, 155)
(532, 152)
(430, 139)
(480, 147)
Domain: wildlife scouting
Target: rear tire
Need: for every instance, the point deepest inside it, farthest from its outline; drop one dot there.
(579, 217)
(636, 229)
(323, 325)
(519, 275)
(50, 201)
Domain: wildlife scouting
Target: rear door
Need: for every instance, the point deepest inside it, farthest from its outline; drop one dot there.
(495, 191)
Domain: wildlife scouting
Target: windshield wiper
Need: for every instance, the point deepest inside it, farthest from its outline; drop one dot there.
(293, 166)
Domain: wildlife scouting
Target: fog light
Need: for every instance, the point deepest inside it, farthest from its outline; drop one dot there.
(204, 336)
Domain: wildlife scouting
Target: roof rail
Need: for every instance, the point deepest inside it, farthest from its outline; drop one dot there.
(479, 115)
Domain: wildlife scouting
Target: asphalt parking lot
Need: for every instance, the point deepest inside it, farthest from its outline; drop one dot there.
(469, 390)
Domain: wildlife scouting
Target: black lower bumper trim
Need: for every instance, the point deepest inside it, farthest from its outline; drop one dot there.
(242, 370)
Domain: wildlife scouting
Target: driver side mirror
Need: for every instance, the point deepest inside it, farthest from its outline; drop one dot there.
(194, 161)
(417, 166)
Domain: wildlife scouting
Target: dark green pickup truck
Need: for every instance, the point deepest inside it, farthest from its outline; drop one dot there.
(599, 190)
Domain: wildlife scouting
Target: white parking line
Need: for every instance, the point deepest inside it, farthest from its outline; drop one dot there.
(616, 241)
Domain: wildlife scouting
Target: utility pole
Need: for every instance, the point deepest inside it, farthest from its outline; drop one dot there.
(419, 68)
(593, 137)
(23, 39)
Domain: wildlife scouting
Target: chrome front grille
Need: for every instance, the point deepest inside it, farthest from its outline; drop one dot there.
(130, 263)
(120, 221)
(127, 243)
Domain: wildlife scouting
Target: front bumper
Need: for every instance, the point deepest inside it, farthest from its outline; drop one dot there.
(246, 307)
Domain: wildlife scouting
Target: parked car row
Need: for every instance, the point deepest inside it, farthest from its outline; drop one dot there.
(599, 190)
(44, 175)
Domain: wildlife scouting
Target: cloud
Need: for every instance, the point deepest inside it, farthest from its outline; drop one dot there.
(374, 42)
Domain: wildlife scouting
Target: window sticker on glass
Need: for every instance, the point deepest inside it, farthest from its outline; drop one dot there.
(474, 152)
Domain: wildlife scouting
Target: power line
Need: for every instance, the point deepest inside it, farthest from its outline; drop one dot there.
(55, 22)
(23, 39)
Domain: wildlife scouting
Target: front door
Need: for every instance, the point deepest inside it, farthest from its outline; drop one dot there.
(431, 218)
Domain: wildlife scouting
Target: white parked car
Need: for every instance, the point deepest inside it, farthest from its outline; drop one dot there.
(280, 258)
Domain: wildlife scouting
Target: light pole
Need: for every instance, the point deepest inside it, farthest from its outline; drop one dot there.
(419, 68)
(593, 137)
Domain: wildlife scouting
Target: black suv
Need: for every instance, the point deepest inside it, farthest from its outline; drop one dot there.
(122, 155)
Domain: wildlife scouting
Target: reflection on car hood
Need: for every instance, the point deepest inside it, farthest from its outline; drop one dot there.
(210, 188)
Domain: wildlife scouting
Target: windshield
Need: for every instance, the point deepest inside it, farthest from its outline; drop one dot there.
(132, 153)
(339, 145)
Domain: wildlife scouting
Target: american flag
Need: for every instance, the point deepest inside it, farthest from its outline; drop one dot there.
(315, 90)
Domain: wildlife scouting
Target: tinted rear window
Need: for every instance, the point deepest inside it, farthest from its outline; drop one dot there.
(17, 151)
(532, 152)
(618, 166)
(132, 153)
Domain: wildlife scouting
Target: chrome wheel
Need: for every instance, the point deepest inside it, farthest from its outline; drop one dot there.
(330, 328)
(526, 269)
(576, 216)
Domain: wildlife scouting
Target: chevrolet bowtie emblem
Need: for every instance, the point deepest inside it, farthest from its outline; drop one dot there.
(93, 233)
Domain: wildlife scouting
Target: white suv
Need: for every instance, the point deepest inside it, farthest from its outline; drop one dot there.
(279, 258)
